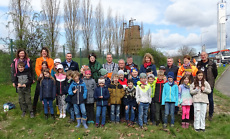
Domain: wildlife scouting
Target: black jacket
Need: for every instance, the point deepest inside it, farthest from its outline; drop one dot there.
(173, 69)
(47, 89)
(73, 66)
(130, 97)
(61, 85)
(69, 97)
(23, 77)
(158, 91)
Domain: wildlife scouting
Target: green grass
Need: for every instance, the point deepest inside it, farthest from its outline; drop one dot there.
(13, 126)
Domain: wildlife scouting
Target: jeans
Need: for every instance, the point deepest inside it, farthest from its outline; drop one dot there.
(115, 113)
(199, 115)
(211, 104)
(101, 111)
(70, 110)
(132, 113)
(169, 107)
(143, 113)
(78, 108)
(50, 105)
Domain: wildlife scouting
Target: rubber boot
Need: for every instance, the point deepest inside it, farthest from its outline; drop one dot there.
(183, 124)
(84, 123)
(58, 112)
(187, 123)
(78, 123)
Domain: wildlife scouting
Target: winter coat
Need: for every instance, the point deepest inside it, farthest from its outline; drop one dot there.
(116, 93)
(47, 89)
(99, 91)
(61, 84)
(107, 82)
(198, 95)
(153, 67)
(158, 91)
(130, 97)
(170, 94)
(28, 67)
(95, 67)
(123, 82)
(23, 77)
(185, 97)
(38, 65)
(81, 94)
(173, 69)
(73, 66)
(69, 97)
(210, 71)
(90, 85)
(143, 95)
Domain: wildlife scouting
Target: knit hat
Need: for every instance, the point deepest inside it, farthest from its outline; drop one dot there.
(134, 69)
(162, 68)
(103, 72)
(88, 72)
(148, 70)
(120, 72)
(59, 66)
(57, 60)
(101, 80)
(170, 75)
(142, 75)
(151, 76)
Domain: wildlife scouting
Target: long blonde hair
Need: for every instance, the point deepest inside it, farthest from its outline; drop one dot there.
(46, 70)
(150, 56)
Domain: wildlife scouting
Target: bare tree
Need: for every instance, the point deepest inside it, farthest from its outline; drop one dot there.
(99, 26)
(186, 50)
(87, 23)
(72, 20)
(51, 18)
(142, 30)
(147, 40)
(109, 30)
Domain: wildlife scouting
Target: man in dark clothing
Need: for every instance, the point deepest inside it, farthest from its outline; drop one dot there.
(69, 64)
(171, 67)
(129, 64)
(210, 72)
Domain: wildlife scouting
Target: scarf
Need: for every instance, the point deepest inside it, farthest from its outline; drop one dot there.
(147, 64)
(187, 86)
(143, 83)
(171, 83)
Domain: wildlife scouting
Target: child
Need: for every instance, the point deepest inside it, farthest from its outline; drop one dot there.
(122, 80)
(143, 98)
(159, 109)
(200, 90)
(135, 77)
(116, 92)
(78, 92)
(69, 108)
(152, 83)
(61, 84)
(104, 74)
(90, 85)
(23, 81)
(148, 71)
(47, 92)
(170, 99)
(57, 61)
(83, 69)
(185, 100)
(130, 103)
(101, 96)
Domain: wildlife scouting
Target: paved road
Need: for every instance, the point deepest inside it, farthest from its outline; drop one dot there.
(223, 85)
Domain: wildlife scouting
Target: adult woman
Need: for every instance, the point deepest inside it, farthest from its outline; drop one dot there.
(94, 66)
(148, 62)
(21, 56)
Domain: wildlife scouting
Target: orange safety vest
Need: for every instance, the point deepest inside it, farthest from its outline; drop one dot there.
(181, 72)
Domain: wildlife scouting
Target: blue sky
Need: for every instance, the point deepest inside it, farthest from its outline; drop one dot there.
(173, 23)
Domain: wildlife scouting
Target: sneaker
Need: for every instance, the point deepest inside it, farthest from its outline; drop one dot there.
(63, 115)
(31, 115)
(70, 121)
(141, 127)
(183, 125)
(164, 125)
(60, 115)
(88, 122)
(202, 130)
(146, 124)
(153, 123)
(187, 125)
(92, 122)
(23, 114)
(102, 126)
(172, 125)
(210, 118)
(157, 123)
(197, 130)
(46, 116)
(96, 125)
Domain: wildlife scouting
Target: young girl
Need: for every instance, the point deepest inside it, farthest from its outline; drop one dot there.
(47, 92)
(185, 100)
(61, 84)
(122, 80)
(200, 90)
(101, 96)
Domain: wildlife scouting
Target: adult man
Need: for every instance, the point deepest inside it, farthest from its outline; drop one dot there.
(210, 71)
(121, 66)
(110, 66)
(171, 67)
(129, 64)
(69, 64)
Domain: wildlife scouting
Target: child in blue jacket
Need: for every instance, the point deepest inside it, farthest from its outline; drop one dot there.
(170, 99)
(101, 96)
(78, 92)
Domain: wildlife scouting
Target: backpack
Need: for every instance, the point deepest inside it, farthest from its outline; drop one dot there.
(11, 105)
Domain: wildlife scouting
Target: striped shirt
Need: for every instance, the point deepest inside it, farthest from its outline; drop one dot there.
(110, 67)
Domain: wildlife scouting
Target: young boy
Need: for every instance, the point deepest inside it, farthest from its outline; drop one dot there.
(135, 77)
(104, 74)
(130, 103)
(159, 109)
(101, 96)
(90, 85)
(23, 81)
(152, 83)
(116, 92)
(78, 92)
(170, 99)
(143, 98)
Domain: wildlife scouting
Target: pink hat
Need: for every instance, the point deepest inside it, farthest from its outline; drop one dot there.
(88, 72)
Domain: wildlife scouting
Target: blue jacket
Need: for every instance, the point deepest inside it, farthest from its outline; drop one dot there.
(73, 66)
(99, 91)
(170, 94)
(135, 80)
(47, 89)
(153, 67)
(81, 94)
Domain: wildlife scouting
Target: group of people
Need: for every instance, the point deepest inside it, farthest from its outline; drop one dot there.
(123, 91)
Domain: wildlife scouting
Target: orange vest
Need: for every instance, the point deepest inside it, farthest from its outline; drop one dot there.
(181, 72)
(38, 65)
